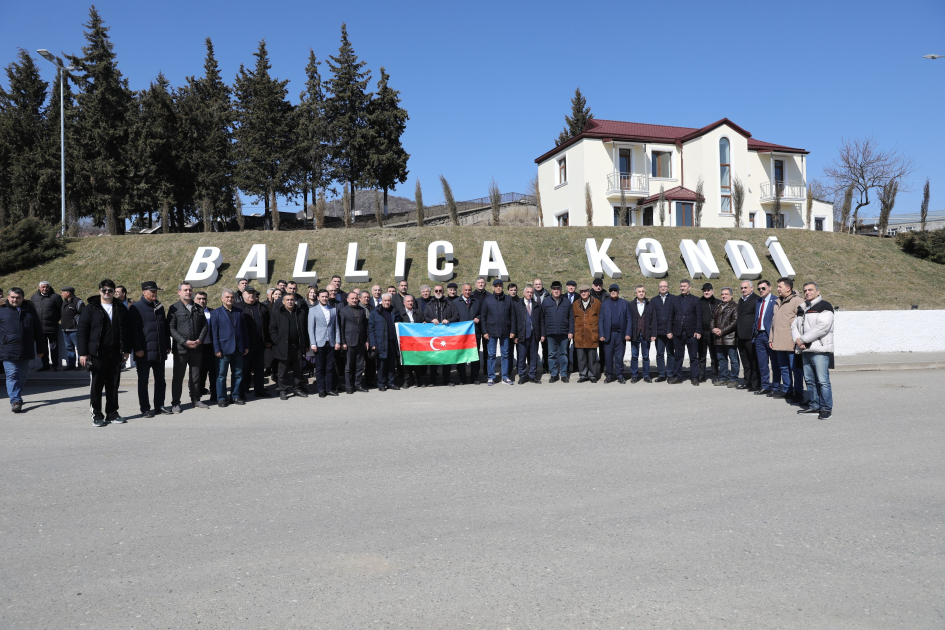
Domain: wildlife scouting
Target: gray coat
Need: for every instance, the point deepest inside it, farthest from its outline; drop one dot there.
(321, 332)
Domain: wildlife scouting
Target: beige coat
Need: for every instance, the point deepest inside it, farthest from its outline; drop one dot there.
(785, 310)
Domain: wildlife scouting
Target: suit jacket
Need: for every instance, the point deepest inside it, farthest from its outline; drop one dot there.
(522, 319)
(649, 319)
(321, 332)
(377, 330)
(397, 302)
(279, 330)
(228, 330)
(614, 315)
(353, 325)
(687, 314)
(663, 313)
(258, 337)
(744, 326)
(768, 304)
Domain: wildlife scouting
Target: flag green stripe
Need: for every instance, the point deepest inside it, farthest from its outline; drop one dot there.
(441, 357)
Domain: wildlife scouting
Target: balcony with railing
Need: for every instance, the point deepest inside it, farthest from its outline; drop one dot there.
(629, 183)
(787, 191)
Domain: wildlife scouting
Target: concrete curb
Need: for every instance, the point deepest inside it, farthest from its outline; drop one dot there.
(883, 367)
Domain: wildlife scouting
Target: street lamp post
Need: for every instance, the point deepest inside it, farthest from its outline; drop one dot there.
(48, 56)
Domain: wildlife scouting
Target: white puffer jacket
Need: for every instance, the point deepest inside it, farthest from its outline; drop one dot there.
(815, 328)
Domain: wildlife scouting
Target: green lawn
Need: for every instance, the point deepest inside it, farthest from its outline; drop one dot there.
(854, 272)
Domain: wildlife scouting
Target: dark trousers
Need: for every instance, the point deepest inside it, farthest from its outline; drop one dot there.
(387, 366)
(354, 366)
(473, 367)
(370, 370)
(544, 356)
(682, 343)
(50, 355)
(443, 371)
(208, 369)
(254, 371)
(749, 361)
(192, 359)
(528, 356)
(341, 362)
(106, 374)
(325, 369)
(665, 346)
(760, 342)
(290, 371)
(707, 351)
(145, 368)
(614, 349)
(587, 364)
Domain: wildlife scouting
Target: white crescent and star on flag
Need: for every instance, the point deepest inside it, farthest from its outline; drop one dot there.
(434, 344)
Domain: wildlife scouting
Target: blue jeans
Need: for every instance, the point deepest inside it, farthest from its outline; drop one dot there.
(16, 372)
(639, 346)
(70, 337)
(506, 362)
(763, 352)
(725, 355)
(817, 377)
(235, 361)
(664, 345)
(792, 372)
(558, 355)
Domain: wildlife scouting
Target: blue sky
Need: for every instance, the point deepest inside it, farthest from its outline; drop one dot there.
(487, 84)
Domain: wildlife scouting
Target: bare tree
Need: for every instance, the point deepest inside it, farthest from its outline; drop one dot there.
(418, 198)
(866, 167)
(776, 209)
(449, 201)
(661, 206)
(887, 199)
(346, 206)
(320, 210)
(810, 207)
(274, 206)
(536, 192)
(700, 202)
(845, 208)
(924, 210)
(495, 200)
(738, 199)
(623, 208)
(378, 209)
(240, 219)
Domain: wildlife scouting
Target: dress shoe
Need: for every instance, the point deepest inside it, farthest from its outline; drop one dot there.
(382, 389)
(239, 401)
(593, 380)
(565, 379)
(164, 411)
(583, 379)
(113, 417)
(621, 380)
(609, 380)
(553, 379)
(322, 395)
(809, 410)
(695, 381)
(100, 421)
(536, 381)
(223, 404)
(823, 415)
(647, 379)
(742, 386)
(283, 396)
(349, 391)
(752, 388)
(175, 409)
(148, 414)
(634, 380)
(362, 389)
(660, 379)
(762, 392)
(333, 392)
(522, 380)
(301, 393)
(779, 395)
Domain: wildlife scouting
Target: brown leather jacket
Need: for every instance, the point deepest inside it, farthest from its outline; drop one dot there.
(585, 323)
(724, 317)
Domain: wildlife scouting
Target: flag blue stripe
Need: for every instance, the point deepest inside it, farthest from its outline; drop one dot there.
(436, 330)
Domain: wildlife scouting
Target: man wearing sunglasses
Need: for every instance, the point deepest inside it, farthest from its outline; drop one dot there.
(103, 340)
(441, 311)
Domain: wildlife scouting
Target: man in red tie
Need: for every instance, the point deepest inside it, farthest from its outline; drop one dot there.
(764, 310)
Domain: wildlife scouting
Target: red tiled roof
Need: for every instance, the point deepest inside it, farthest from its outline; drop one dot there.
(765, 147)
(674, 194)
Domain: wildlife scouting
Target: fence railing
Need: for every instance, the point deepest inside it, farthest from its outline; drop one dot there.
(630, 182)
(784, 190)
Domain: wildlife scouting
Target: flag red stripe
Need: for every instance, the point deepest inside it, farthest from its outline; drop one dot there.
(421, 344)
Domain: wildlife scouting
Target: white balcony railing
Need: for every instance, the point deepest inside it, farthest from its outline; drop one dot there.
(793, 191)
(631, 183)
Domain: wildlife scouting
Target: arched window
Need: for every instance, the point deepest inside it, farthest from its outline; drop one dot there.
(725, 175)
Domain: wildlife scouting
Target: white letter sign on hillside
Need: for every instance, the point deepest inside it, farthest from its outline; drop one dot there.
(351, 266)
(256, 265)
(743, 259)
(598, 260)
(204, 269)
(650, 256)
(491, 263)
(433, 252)
(699, 260)
(299, 274)
(780, 258)
(400, 262)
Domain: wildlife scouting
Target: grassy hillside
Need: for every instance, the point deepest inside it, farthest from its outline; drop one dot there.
(856, 273)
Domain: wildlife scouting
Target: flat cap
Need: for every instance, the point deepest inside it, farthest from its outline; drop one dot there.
(707, 286)
(68, 288)
(583, 287)
(597, 282)
(571, 283)
(556, 284)
(497, 282)
(249, 289)
(452, 285)
(615, 287)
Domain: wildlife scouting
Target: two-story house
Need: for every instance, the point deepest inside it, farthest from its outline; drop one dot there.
(635, 159)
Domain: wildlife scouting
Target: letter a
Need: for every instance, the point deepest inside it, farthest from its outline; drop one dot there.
(491, 263)
(256, 265)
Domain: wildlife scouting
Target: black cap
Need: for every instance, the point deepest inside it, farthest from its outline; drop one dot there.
(598, 282)
(150, 285)
(556, 284)
(615, 287)
(497, 282)
(452, 285)
(571, 283)
(68, 288)
(250, 289)
(707, 286)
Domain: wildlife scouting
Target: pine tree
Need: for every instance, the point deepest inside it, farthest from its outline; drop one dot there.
(312, 145)
(102, 134)
(580, 116)
(213, 161)
(153, 161)
(26, 190)
(347, 112)
(387, 120)
(263, 133)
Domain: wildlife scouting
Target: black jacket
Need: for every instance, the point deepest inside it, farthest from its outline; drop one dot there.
(70, 313)
(442, 310)
(89, 332)
(49, 310)
(708, 310)
(557, 318)
(353, 325)
(397, 302)
(279, 332)
(498, 316)
(687, 314)
(184, 326)
(258, 337)
(649, 319)
(149, 330)
(468, 313)
(745, 325)
(538, 318)
(20, 333)
(663, 314)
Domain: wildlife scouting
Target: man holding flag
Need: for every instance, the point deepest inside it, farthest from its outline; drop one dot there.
(440, 311)
(436, 344)
(382, 336)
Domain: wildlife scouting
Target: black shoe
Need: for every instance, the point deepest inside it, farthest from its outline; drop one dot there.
(660, 379)
(752, 388)
(647, 379)
(239, 401)
(742, 386)
(536, 381)
(522, 380)
(16, 407)
(763, 392)
(621, 380)
(114, 417)
(382, 389)
(362, 389)
(823, 415)
(283, 396)
(583, 379)
(322, 395)
(634, 380)
(593, 380)
(301, 393)
(809, 410)
(165, 411)
(565, 379)
(609, 380)
(100, 422)
(695, 381)
(553, 379)
(222, 404)
(333, 392)
(148, 414)
(779, 395)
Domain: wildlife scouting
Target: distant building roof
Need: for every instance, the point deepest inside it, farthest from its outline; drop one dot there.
(674, 194)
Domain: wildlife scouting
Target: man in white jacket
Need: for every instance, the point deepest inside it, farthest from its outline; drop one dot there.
(812, 331)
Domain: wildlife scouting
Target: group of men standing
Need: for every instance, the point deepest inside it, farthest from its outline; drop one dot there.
(583, 329)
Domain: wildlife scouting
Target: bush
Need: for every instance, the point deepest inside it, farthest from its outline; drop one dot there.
(28, 243)
(928, 245)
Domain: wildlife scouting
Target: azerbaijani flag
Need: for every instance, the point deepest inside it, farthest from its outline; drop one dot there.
(437, 344)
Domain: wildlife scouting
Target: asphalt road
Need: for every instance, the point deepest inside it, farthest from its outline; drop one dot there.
(551, 506)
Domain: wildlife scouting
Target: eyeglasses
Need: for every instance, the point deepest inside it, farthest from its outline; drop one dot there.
(107, 291)
(438, 291)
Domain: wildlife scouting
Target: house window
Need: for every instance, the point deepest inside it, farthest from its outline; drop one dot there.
(626, 160)
(779, 176)
(770, 221)
(661, 164)
(819, 225)
(725, 175)
(563, 170)
(648, 215)
(563, 219)
(617, 220)
(751, 219)
(684, 215)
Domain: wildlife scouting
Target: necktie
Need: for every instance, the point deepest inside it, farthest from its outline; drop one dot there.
(761, 312)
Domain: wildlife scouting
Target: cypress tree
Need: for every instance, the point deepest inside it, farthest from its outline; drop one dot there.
(580, 116)
(214, 118)
(102, 135)
(387, 120)
(311, 126)
(154, 139)
(347, 112)
(263, 133)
